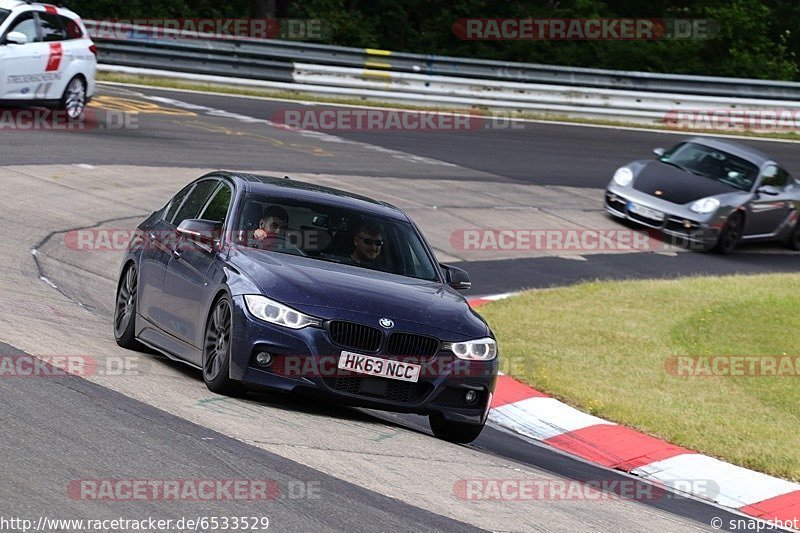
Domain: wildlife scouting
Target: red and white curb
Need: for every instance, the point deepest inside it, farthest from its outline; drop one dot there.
(526, 411)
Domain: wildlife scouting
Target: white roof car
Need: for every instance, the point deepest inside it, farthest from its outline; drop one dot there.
(46, 57)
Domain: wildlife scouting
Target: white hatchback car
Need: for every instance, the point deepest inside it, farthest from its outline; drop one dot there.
(46, 57)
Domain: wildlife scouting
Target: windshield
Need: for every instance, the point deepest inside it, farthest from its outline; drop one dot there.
(332, 233)
(3, 15)
(713, 163)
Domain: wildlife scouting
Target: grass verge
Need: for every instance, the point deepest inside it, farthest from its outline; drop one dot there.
(605, 348)
(170, 83)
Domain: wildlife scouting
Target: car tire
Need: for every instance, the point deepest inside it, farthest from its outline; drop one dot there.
(125, 309)
(731, 234)
(73, 101)
(793, 241)
(456, 432)
(217, 348)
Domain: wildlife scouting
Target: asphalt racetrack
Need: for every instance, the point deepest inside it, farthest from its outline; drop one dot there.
(335, 469)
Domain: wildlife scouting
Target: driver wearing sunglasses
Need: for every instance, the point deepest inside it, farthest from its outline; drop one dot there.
(368, 244)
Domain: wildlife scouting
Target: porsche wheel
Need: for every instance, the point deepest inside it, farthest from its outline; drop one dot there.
(794, 238)
(731, 234)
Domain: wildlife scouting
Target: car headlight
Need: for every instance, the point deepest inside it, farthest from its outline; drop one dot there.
(623, 176)
(705, 206)
(277, 313)
(477, 350)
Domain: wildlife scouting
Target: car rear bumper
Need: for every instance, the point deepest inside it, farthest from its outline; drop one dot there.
(306, 360)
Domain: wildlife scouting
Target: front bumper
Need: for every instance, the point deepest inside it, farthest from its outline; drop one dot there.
(681, 226)
(305, 360)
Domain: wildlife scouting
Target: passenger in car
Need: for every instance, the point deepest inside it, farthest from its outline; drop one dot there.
(368, 245)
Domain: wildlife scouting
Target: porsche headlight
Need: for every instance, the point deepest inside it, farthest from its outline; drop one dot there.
(705, 206)
(623, 176)
(477, 350)
(276, 313)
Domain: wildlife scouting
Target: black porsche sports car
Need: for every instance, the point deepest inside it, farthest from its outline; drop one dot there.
(279, 284)
(707, 193)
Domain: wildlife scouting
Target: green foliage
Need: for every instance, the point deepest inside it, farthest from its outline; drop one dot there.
(749, 44)
(754, 38)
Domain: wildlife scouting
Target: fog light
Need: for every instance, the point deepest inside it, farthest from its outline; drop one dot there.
(613, 198)
(264, 359)
(471, 397)
(687, 224)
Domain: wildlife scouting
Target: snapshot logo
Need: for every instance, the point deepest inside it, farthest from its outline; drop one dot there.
(41, 119)
(48, 366)
(559, 240)
(347, 119)
(734, 119)
(519, 490)
(582, 29)
(209, 28)
(733, 365)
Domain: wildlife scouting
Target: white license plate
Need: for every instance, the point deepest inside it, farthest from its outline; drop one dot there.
(376, 366)
(645, 212)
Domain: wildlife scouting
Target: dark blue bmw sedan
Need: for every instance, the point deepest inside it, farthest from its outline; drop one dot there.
(277, 284)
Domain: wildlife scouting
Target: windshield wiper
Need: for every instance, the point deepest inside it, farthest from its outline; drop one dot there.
(676, 165)
(685, 169)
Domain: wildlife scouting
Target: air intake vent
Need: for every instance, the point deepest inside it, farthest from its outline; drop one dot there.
(355, 336)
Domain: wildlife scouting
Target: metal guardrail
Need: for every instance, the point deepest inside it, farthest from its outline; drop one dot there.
(272, 59)
(357, 73)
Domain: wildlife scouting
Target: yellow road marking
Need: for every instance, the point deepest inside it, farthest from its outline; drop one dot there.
(297, 147)
(115, 103)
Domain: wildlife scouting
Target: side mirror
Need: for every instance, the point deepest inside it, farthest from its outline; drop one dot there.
(658, 151)
(769, 190)
(457, 278)
(16, 37)
(200, 231)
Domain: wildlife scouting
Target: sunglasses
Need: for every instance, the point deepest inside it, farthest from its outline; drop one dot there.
(370, 242)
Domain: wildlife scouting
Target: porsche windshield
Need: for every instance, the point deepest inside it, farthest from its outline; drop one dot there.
(712, 163)
(332, 233)
(4, 15)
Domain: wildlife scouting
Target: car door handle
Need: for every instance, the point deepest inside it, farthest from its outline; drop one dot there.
(151, 236)
(176, 253)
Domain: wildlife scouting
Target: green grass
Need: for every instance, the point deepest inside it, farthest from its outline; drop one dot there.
(169, 83)
(602, 347)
